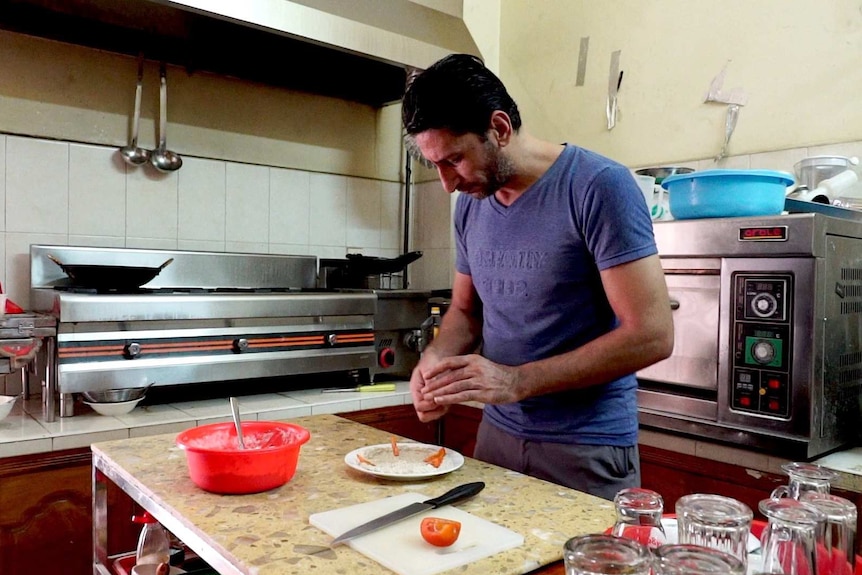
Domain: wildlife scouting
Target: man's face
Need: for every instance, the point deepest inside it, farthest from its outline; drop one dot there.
(466, 163)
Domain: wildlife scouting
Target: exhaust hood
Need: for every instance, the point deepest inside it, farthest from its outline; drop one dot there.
(358, 50)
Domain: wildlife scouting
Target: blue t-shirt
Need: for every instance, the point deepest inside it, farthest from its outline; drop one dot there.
(535, 265)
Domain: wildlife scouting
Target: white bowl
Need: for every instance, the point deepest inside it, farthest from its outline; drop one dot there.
(7, 402)
(115, 408)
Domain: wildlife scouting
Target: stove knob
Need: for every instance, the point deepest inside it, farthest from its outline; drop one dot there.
(332, 339)
(132, 350)
(240, 345)
(386, 357)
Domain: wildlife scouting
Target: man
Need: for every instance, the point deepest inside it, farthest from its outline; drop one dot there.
(558, 282)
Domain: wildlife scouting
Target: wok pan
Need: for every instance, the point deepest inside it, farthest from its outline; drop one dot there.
(102, 277)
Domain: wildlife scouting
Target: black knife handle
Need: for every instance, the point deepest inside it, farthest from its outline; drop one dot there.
(457, 494)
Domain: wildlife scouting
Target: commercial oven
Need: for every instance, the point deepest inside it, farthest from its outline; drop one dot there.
(768, 333)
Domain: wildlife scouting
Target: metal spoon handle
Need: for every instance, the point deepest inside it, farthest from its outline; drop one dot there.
(163, 106)
(234, 407)
(138, 90)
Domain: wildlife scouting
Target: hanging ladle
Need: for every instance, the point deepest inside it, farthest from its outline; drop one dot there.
(131, 153)
(163, 159)
(234, 408)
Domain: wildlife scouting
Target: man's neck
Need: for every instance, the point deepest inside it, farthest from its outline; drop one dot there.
(532, 157)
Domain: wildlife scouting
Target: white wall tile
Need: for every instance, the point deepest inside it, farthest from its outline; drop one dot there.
(151, 204)
(2, 182)
(152, 243)
(289, 249)
(363, 213)
(98, 241)
(200, 245)
(289, 206)
(730, 163)
(327, 251)
(391, 215)
(201, 202)
(37, 185)
(328, 210)
(97, 191)
(780, 160)
(433, 216)
(849, 149)
(247, 203)
(247, 247)
(17, 258)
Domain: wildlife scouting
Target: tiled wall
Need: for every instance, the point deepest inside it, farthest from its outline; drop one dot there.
(77, 194)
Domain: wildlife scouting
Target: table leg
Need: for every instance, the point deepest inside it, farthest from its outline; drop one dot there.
(100, 523)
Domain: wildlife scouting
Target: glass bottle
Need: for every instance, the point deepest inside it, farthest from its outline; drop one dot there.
(154, 546)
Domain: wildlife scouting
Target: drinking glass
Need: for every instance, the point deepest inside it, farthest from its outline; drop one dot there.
(837, 555)
(695, 560)
(606, 555)
(714, 521)
(804, 477)
(790, 537)
(639, 516)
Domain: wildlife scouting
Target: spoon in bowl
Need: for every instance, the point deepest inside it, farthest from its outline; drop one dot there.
(163, 159)
(234, 408)
(131, 153)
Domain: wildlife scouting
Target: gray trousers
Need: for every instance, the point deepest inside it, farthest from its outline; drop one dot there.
(600, 470)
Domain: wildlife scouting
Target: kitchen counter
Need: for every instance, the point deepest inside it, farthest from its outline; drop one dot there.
(269, 533)
(25, 430)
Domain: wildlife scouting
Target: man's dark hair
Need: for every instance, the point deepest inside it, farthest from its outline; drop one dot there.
(457, 93)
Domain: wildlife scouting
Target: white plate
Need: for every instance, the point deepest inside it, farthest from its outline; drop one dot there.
(408, 465)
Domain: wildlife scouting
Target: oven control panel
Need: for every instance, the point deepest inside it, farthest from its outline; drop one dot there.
(761, 353)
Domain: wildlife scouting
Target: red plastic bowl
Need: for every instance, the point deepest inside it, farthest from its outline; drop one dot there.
(217, 464)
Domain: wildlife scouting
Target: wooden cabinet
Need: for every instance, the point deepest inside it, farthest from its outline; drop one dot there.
(46, 514)
(673, 475)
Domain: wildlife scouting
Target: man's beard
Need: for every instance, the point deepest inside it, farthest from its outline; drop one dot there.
(499, 168)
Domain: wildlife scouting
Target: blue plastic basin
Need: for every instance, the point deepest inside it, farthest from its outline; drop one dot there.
(727, 193)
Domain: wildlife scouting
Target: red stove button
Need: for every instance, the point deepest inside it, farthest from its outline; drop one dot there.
(386, 357)
(773, 383)
(745, 401)
(773, 405)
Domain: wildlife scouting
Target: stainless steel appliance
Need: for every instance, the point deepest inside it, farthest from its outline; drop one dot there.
(768, 333)
(398, 331)
(208, 317)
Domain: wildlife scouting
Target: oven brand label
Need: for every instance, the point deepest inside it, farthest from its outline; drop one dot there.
(763, 234)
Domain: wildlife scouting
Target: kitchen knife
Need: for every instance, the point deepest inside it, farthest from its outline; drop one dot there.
(371, 387)
(455, 495)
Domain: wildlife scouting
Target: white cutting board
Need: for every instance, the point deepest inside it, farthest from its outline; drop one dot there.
(400, 546)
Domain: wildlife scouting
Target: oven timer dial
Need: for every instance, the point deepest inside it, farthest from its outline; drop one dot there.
(763, 352)
(764, 305)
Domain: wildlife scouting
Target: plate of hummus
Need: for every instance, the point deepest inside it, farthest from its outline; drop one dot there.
(404, 461)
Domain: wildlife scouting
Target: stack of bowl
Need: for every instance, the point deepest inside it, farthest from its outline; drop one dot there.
(115, 401)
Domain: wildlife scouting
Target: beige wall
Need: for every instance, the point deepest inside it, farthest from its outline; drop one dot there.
(56, 90)
(797, 60)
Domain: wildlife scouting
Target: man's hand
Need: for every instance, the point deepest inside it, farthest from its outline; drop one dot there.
(426, 409)
(463, 378)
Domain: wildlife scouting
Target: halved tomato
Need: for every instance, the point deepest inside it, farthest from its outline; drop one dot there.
(440, 532)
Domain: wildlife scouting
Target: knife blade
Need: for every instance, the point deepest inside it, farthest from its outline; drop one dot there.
(370, 387)
(454, 495)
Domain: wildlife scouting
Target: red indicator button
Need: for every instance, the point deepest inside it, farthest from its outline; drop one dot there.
(773, 405)
(745, 401)
(773, 384)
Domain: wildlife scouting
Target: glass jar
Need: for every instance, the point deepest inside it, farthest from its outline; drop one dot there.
(639, 514)
(714, 521)
(790, 538)
(683, 559)
(606, 555)
(154, 546)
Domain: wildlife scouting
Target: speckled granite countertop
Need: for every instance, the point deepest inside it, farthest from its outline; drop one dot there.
(269, 533)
